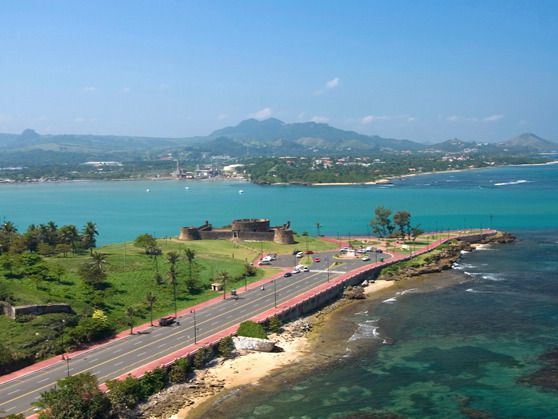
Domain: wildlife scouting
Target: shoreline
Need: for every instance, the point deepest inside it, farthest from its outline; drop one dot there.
(249, 369)
(380, 182)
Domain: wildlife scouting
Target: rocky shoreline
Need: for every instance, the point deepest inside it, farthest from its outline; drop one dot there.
(443, 259)
(224, 377)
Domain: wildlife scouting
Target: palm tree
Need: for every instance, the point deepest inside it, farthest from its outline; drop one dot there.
(172, 258)
(69, 235)
(8, 227)
(89, 233)
(99, 260)
(130, 313)
(318, 227)
(150, 299)
(222, 278)
(190, 256)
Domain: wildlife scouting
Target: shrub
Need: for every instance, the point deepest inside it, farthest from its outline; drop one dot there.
(251, 329)
(125, 394)
(226, 347)
(274, 324)
(202, 357)
(179, 371)
(154, 381)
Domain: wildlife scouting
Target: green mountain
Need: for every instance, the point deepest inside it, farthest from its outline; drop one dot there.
(529, 142)
(275, 137)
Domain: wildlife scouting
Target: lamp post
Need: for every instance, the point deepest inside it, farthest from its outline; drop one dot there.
(67, 359)
(195, 327)
(327, 261)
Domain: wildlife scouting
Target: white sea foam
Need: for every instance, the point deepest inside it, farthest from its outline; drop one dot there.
(406, 291)
(492, 277)
(483, 247)
(390, 300)
(366, 330)
(515, 182)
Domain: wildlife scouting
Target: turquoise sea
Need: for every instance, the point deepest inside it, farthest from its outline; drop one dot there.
(478, 341)
(507, 198)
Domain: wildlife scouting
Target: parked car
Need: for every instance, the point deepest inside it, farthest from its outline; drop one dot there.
(365, 259)
(309, 252)
(295, 251)
(299, 254)
(295, 271)
(166, 321)
(287, 274)
(264, 262)
(317, 260)
(306, 269)
(379, 251)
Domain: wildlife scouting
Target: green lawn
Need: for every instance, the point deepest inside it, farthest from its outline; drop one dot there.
(130, 278)
(303, 243)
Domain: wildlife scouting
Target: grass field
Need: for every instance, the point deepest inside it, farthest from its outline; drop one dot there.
(130, 278)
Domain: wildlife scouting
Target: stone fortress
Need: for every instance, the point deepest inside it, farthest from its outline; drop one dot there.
(245, 229)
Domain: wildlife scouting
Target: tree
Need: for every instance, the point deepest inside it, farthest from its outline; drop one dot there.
(415, 232)
(192, 283)
(75, 397)
(249, 270)
(172, 258)
(130, 314)
(63, 248)
(147, 242)
(91, 274)
(125, 394)
(58, 270)
(99, 260)
(69, 235)
(402, 219)
(318, 227)
(180, 370)
(226, 347)
(381, 223)
(158, 278)
(89, 234)
(222, 278)
(274, 324)
(150, 299)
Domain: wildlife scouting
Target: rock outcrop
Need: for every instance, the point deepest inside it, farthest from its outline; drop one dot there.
(242, 343)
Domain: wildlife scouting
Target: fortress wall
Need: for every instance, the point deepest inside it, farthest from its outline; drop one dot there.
(283, 236)
(251, 225)
(189, 233)
(256, 235)
(14, 311)
(215, 235)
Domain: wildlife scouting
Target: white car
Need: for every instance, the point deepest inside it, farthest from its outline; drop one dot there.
(295, 271)
(365, 259)
(305, 269)
(299, 254)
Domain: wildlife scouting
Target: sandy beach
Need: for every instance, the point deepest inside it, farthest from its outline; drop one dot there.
(249, 368)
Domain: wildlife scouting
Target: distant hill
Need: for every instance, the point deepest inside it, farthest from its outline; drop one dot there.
(453, 146)
(529, 142)
(273, 136)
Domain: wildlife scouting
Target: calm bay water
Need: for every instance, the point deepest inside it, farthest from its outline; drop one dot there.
(464, 342)
(507, 198)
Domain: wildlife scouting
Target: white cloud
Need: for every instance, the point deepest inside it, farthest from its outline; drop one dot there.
(222, 116)
(493, 118)
(319, 119)
(261, 114)
(490, 118)
(368, 119)
(330, 84)
(89, 89)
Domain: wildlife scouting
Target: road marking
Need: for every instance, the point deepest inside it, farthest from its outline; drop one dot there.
(129, 367)
(17, 390)
(43, 380)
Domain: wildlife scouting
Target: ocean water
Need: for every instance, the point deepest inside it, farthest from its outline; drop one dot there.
(506, 198)
(464, 345)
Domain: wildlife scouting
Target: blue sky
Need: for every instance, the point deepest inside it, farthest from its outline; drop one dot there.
(422, 70)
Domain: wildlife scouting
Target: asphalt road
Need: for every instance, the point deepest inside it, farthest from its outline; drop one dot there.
(121, 356)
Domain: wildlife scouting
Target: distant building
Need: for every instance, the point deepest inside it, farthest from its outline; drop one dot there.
(244, 229)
